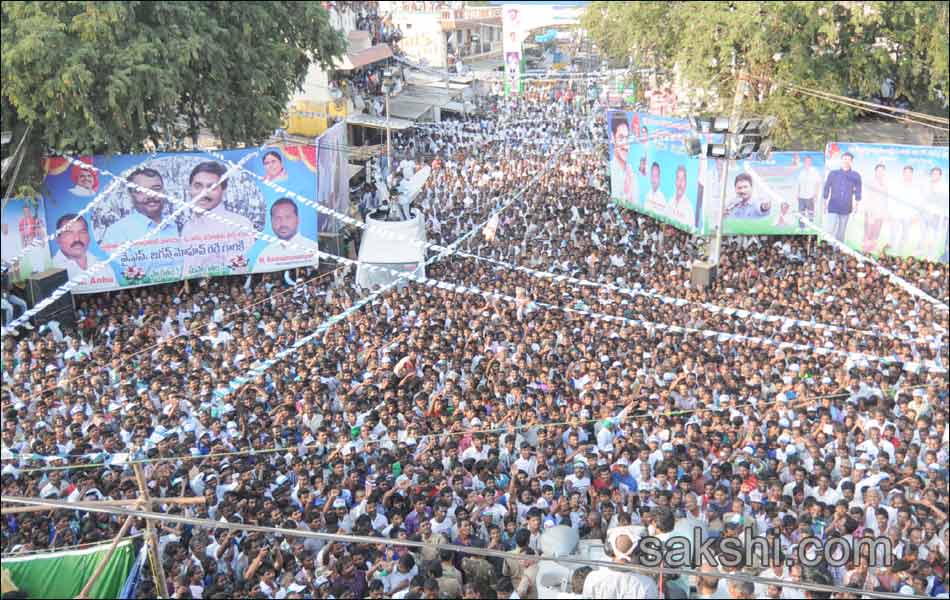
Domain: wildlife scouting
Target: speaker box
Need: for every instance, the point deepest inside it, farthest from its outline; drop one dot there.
(40, 286)
(703, 274)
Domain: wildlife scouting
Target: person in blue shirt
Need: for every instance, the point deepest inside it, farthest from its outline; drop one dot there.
(842, 189)
(744, 206)
(621, 477)
(148, 202)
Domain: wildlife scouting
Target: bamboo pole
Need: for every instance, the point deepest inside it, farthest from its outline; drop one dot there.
(12, 510)
(105, 559)
(160, 583)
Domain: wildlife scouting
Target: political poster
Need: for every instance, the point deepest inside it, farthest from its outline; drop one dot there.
(650, 172)
(513, 36)
(763, 197)
(23, 238)
(887, 199)
(333, 176)
(124, 198)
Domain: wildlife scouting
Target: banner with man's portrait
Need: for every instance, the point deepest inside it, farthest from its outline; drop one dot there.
(887, 199)
(512, 38)
(763, 197)
(24, 249)
(649, 170)
(134, 196)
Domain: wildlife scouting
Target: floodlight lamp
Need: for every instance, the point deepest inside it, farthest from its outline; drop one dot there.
(746, 150)
(720, 125)
(716, 151)
(765, 151)
(749, 125)
(701, 124)
(693, 145)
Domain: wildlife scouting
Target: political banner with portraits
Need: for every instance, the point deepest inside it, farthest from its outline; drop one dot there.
(513, 36)
(763, 197)
(129, 197)
(887, 199)
(649, 170)
(24, 249)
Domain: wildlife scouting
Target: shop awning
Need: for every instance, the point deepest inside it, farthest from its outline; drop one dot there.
(407, 109)
(355, 60)
(364, 120)
(457, 107)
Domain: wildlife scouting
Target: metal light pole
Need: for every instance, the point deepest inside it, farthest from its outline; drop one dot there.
(388, 89)
(730, 143)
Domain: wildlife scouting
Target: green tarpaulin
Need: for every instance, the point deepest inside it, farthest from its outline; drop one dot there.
(63, 574)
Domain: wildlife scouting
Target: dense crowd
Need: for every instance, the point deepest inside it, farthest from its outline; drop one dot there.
(443, 416)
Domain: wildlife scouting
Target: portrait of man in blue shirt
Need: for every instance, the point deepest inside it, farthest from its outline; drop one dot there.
(842, 189)
(744, 206)
(147, 190)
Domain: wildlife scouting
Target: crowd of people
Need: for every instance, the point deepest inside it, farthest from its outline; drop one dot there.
(448, 416)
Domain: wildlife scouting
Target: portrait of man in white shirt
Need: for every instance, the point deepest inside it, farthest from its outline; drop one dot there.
(681, 208)
(204, 231)
(656, 201)
(623, 181)
(85, 180)
(292, 247)
(147, 191)
(73, 254)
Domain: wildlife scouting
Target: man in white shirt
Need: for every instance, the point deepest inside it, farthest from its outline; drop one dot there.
(214, 247)
(147, 205)
(527, 462)
(681, 208)
(578, 480)
(477, 451)
(85, 180)
(623, 182)
(809, 186)
(73, 254)
(875, 444)
(656, 201)
(291, 249)
(609, 583)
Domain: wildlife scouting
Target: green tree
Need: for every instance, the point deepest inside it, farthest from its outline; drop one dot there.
(847, 48)
(106, 77)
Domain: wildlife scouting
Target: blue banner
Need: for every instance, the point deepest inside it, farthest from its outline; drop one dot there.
(127, 197)
(762, 197)
(24, 247)
(887, 199)
(650, 172)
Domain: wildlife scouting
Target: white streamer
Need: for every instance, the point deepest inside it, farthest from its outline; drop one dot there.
(891, 275)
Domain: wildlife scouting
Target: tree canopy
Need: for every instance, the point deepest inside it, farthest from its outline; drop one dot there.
(106, 77)
(847, 48)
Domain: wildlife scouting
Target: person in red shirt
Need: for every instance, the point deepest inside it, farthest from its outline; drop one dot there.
(28, 226)
(749, 480)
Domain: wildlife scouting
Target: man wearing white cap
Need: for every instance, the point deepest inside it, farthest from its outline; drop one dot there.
(606, 582)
